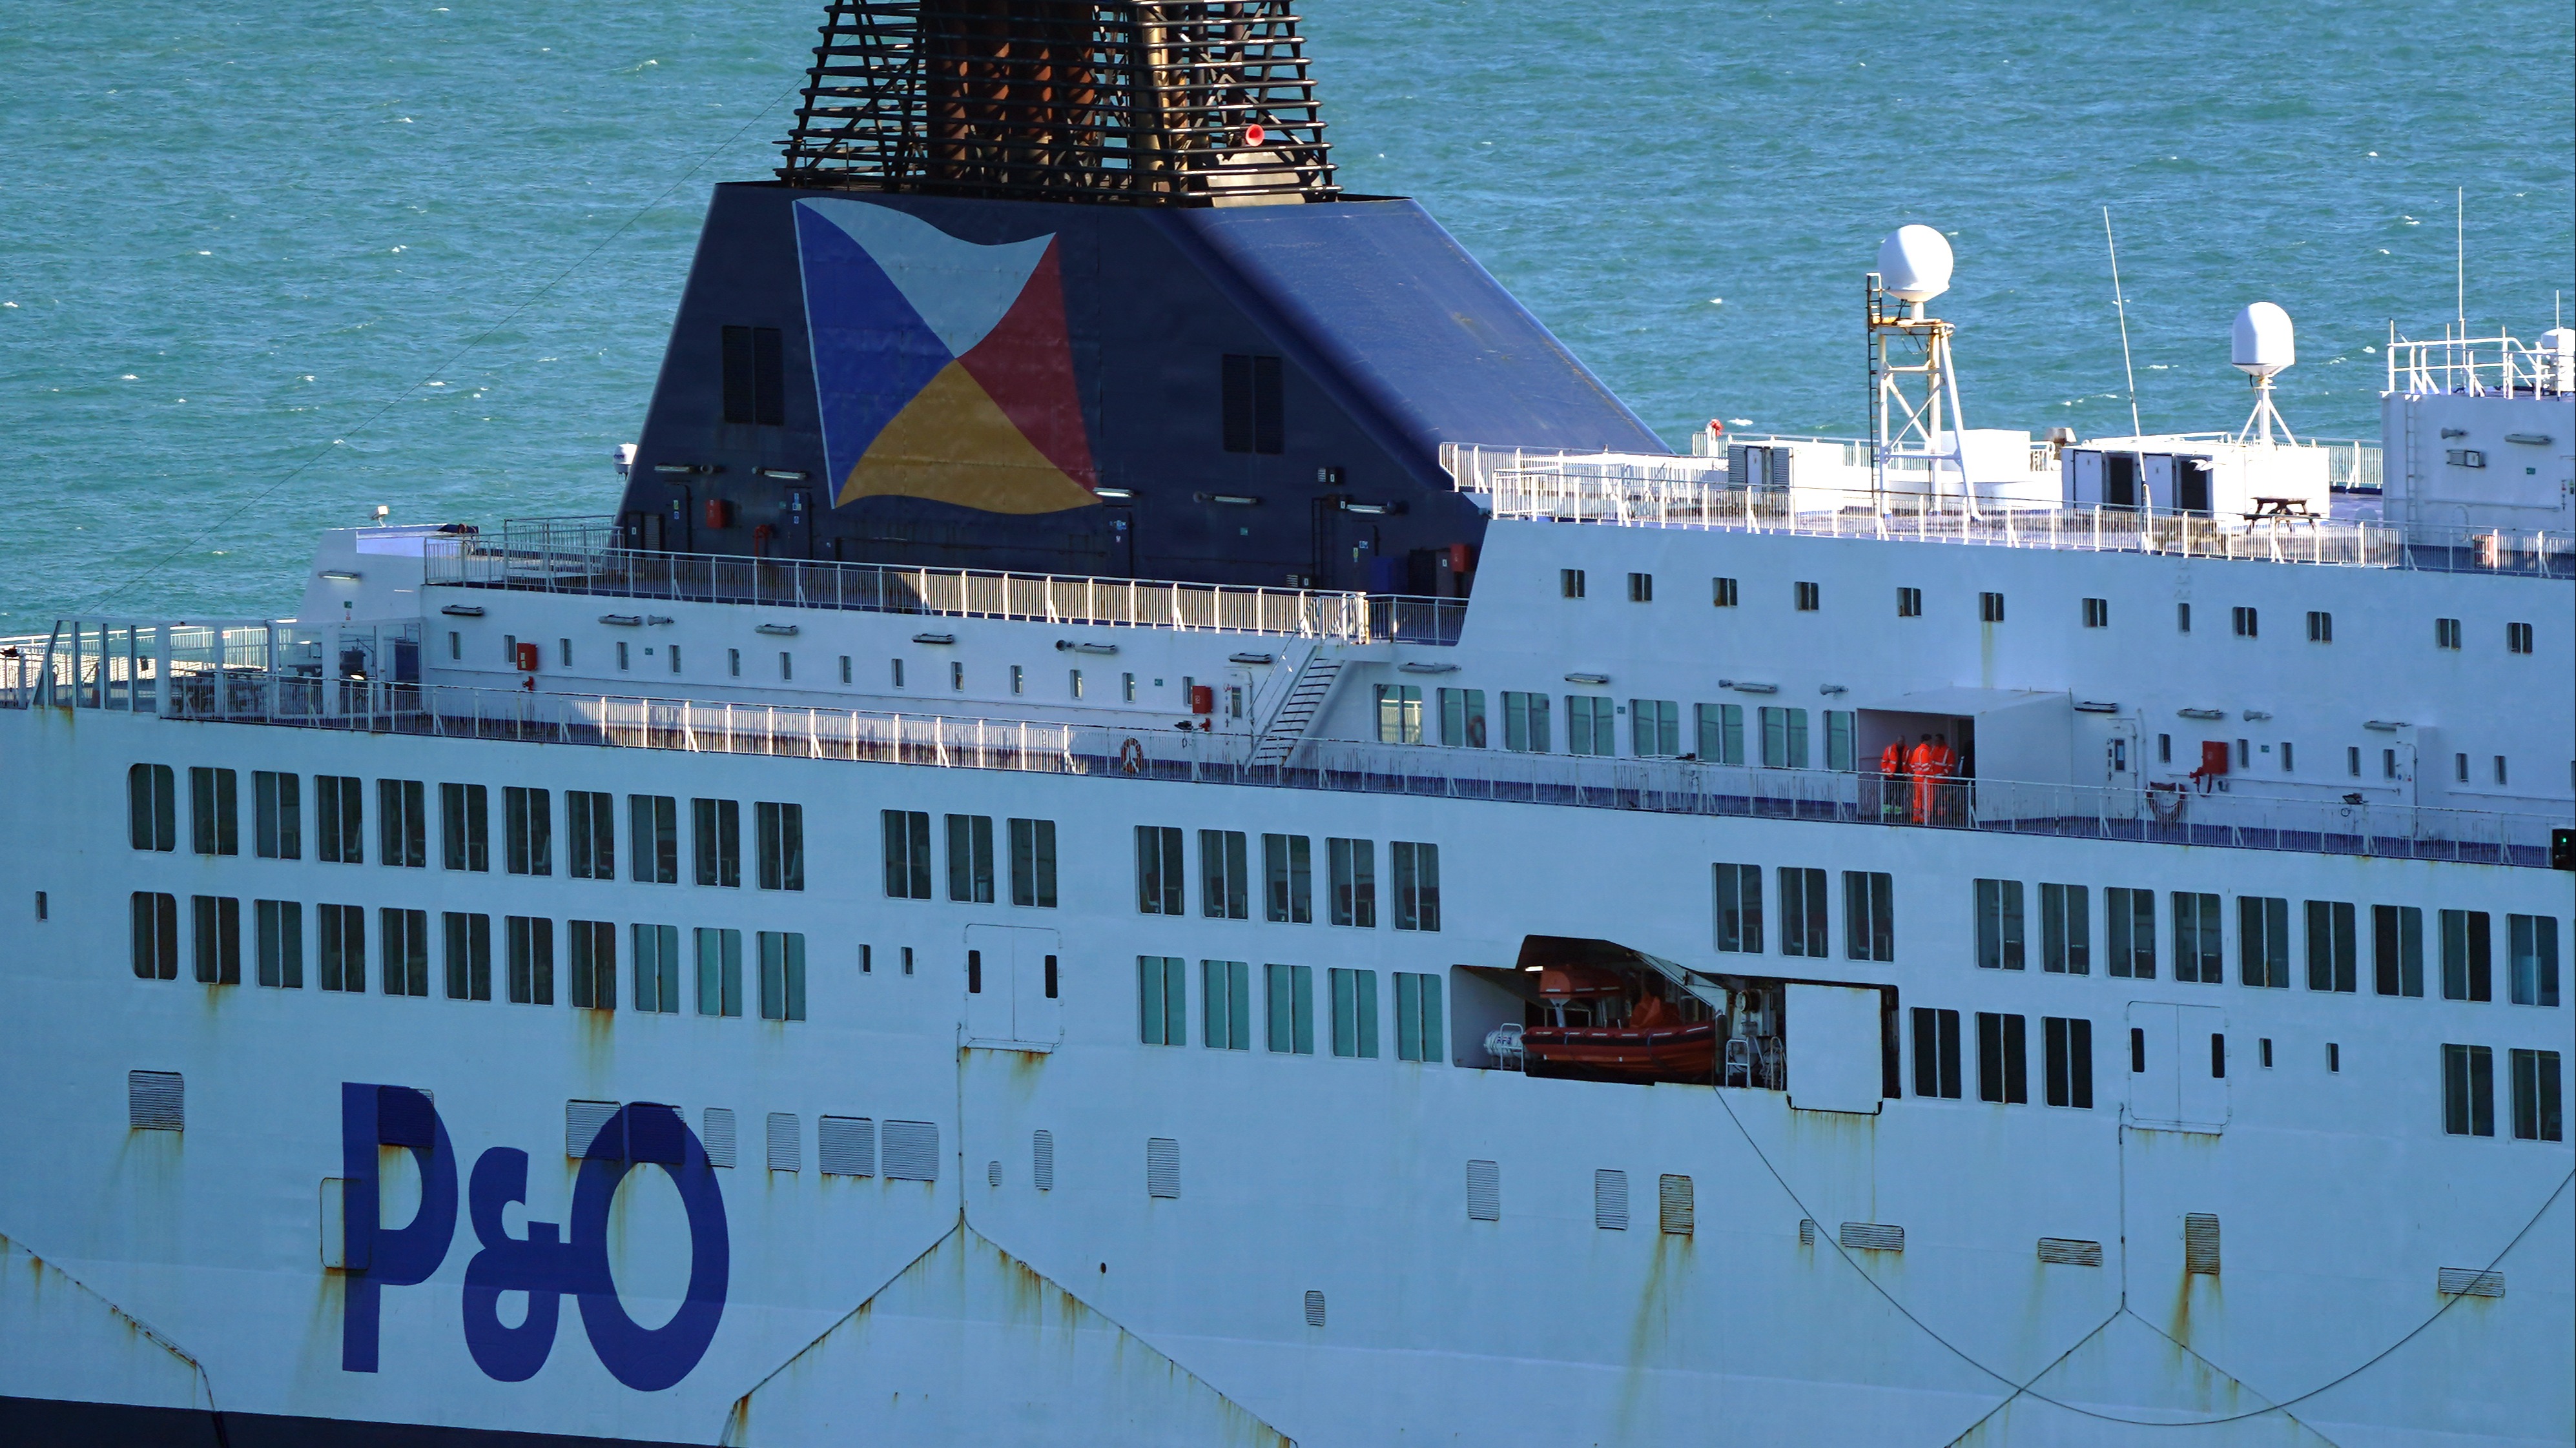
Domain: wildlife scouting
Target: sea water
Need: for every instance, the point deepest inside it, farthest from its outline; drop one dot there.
(266, 267)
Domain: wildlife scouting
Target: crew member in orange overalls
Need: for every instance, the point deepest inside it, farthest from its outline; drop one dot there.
(1945, 767)
(1921, 765)
(1891, 766)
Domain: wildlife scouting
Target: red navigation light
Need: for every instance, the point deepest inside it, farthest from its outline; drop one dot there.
(1254, 135)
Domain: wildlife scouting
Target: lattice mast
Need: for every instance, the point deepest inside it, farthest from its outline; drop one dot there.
(1914, 402)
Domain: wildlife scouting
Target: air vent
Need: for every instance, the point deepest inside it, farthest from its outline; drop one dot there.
(1806, 1232)
(1610, 1200)
(155, 1101)
(1314, 1309)
(1251, 658)
(2202, 713)
(777, 630)
(1042, 1160)
(622, 620)
(2070, 1252)
(463, 610)
(2469, 1282)
(1484, 1192)
(2096, 706)
(934, 638)
(582, 1121)
(846, 1145)
(717, 1135)
(786, 1150)
(911, 1151)
(992, 1174)
(1162, 1167)
(1872, 1237)
(2200, 1243)
(2528, 439)
(1594, 679)
(1673, 1208)
(1070, 646)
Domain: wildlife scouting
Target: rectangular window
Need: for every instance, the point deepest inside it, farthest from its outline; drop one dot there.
(2468, 1090)
(214, 813)
(2245, 622)
(2536, 1112)
(217, 922)
(1990, 608)
(1225, 884)
(2003, 1059)
(1225, 1005)
(277, 809)
(1654, 728)
(1802, 911)
(1033, 863)
(719, 972)
(2263, 941)
(1807, 598)
(1354, 867)
(1525, 727)
(782, 975)
(2199, 952)
(715, 838)
(402, 823)
(468, 955)
(281, 942)
(1721, 733)
(1291, 1015)
(1739, 909)
(1641, 588)
(592, 956)
(1159, 878)
(156, 935)
(2320, 627)
(1355, 1014)
(1999, 924)
(1936, 1053)
(1869, 915)
(2517, 640)
(2532, 966)
(464, 827)
(1254, 399)
(532, 960)
(1569, 582)
(907, 854)
(1722, 592)
(2130, 918)
(1417, 884)
(2097, 613)
(1784, 738)
(152, 807)
(2397, 950)
(343, 931)
(1162, 995)
(970, 858)
(1418, 1018)
(528, 824)
(625, 660)
(2065, 930)
(1838, 740)
(2466, 956)
(339, 820)
(590, 834)
(2182, 618)
(2446, 633)
(1909, 603)
(2067, 1045)
(1288, 869)
(1462, 718)
(653, 832)
(2288, 763)
(755, 377)
(406, 941)
(657, 968)
(2334, 947)
(1591, 725)
(1399, 714)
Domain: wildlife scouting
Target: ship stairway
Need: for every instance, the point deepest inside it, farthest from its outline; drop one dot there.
(1306, 696)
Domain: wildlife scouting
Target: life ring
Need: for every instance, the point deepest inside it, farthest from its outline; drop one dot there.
(1131, 756)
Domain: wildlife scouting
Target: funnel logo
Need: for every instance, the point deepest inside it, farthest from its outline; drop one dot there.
(941, 366)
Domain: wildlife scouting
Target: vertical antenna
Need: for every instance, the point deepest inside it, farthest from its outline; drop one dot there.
(2460, 254)
(2121, 304)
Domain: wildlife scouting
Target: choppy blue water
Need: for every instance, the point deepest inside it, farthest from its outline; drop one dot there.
(231, 233)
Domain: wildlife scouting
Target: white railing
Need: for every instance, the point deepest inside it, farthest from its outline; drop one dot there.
(2496, 366)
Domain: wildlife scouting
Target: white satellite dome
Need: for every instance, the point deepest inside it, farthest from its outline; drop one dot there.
(1914, 264)
(2264, 343)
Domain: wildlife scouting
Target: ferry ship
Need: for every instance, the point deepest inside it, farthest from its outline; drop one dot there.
(1156, 820)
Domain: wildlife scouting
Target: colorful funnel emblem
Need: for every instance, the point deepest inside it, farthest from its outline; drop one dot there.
(941, 366)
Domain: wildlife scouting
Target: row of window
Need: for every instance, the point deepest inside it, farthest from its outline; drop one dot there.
(1286, 1004)
(215, 939)
(1657, 728)
(2003, 1058)
(1288, 877)
(2468, 1093)
(2331, 931)
(1869, 912)
(909, 863)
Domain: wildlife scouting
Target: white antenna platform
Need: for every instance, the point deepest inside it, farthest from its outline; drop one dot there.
(2263, 345)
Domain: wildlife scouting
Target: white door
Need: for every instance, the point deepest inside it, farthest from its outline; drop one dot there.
(1037, 1017)
(2120, 773)
(2156, 474)
(2177, 1066)
(1012, 985)
(988, 984)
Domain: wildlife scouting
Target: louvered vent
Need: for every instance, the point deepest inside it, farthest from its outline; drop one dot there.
(1674, 1211)
(1610, 1200)
(2070, 1252)
(718, 1136)
(1314, 1309)
(1162, 1167)
(2200, 1243)
(992, 1173)
(1042, 1160)
(155, 1101)
(846, 1145)
(1806, 1232)
(582, 1121)
(1484, 1192)
(2469, 1282)
(911, 1151)
(1872, 1237)
(786, 1150)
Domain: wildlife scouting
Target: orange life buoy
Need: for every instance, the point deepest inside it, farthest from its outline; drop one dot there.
(1131, 756)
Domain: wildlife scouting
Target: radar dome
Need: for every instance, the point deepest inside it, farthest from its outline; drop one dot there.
(2263, 340)
(1914, 264)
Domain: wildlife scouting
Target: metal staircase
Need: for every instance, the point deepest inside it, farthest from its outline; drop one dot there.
(1305, 699)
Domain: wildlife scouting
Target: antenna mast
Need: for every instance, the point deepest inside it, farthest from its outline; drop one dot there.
(2120, 304)
(1913, 267)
